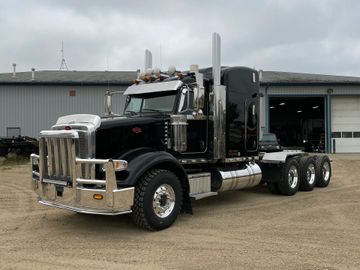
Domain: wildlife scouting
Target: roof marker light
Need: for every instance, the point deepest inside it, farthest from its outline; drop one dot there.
(315, 107)
(282, 103)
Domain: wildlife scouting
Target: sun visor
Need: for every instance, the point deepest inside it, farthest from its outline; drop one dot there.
(153, 87)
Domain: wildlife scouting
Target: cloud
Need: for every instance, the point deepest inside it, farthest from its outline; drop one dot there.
(304, 36)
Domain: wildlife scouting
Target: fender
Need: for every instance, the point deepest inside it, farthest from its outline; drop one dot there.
(145, 161)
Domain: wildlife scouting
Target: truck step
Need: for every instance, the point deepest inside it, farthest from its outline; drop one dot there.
(200, 196)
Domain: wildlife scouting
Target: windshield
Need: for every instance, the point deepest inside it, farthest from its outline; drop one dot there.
(269, 137)
(138, 104)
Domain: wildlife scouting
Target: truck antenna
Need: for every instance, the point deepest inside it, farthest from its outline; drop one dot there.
(160, 57)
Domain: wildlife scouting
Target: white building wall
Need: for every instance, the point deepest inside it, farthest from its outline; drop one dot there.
(345, 113)
(37, 107)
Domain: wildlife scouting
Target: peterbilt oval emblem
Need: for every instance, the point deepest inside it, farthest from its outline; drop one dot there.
(136, 130)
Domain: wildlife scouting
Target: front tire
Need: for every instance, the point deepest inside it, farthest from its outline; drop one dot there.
(158, 200)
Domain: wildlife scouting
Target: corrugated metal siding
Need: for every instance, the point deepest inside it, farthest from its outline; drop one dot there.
(312, 90)
(34, 108)
(296, 90)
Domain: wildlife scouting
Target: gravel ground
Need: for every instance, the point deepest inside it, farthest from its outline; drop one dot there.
(250, 229)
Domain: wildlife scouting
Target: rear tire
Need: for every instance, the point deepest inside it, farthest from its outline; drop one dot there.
(307, 173)
(158, 200)
(323, 171)
(290, 182)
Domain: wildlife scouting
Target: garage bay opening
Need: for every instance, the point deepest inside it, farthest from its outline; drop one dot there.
(298, 122)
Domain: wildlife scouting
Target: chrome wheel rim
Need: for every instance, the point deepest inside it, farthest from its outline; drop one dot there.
(164, 201)
(326, 171)
(310, 174)
(293, 177)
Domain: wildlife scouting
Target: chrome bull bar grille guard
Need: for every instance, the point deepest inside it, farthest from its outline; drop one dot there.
(59, 181)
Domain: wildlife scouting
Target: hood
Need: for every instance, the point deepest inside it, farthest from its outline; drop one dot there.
(119, 135)
(125, 121)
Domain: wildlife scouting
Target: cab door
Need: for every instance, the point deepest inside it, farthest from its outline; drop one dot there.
(251, 125)
(197, 126)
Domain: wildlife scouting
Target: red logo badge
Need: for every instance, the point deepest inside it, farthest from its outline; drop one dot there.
(136, 130)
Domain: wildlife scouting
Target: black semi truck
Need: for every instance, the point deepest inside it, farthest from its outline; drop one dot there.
(183, 136)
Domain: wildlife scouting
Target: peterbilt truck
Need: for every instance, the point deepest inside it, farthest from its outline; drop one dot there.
(182, 136)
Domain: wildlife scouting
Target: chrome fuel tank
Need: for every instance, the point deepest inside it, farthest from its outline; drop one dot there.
(248, 177)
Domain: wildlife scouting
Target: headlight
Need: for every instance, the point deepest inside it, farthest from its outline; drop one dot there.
(119, 165)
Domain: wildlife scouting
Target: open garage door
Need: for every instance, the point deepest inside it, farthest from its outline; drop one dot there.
(298, 122)
(345, 124)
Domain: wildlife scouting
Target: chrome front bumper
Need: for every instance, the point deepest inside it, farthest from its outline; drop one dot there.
(103, 198)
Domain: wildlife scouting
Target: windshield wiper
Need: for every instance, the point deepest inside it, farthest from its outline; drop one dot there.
(154, 110)
(131, 112)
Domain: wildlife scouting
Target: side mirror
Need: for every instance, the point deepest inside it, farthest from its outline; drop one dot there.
(199, 96)
(108, 101)
(199, 92)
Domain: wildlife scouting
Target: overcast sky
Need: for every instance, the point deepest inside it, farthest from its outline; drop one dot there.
(321, 36)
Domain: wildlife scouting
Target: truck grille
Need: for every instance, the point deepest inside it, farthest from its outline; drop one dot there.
(58, 157)
(58, 151)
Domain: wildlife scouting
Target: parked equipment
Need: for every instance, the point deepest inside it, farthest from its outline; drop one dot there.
(22, 145)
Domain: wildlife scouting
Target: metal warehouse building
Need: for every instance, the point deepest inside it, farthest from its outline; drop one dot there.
(315, 112)
(32, 101)
(318, 112)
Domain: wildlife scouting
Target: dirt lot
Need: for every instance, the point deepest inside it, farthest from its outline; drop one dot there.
(250, 229)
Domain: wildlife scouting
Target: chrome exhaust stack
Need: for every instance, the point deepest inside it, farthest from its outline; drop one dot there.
(248, 177)
(148, 60)
(218, 100)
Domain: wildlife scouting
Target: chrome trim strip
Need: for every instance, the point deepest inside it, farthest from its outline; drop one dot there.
(194, 161)
(84, 210)
(42, 158)
(59, 134)
(64, 163)
(91, 181)
(91, 161)
(238, 159)
(69, 156)
(50, 156)
(56, 156)
(55, 182)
